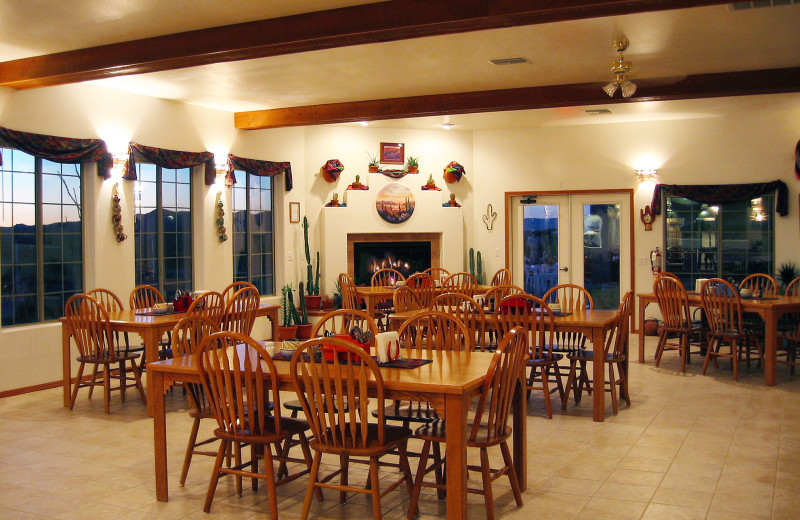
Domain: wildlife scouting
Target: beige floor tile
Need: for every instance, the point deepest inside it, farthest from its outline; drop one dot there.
(600, 508)
(672, 512)
(626, 491)
(683, 498)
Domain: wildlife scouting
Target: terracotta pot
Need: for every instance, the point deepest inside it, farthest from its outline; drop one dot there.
(373, 169)
(285, 333)
(327, 304)
(413, 169)
(304, 330)
(313, 301)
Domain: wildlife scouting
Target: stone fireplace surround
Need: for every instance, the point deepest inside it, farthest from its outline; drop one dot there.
(341, 227)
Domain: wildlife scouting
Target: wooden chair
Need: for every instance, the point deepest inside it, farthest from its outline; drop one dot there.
(349, 294)
(90, 328)
(405, 299)
(424, 287)
(437, 273)
(468, 311)
(761, 284)
(532, 314)
(241, 383)
(497, 293)
(789, 333)
(488, 428)
(463, 283)
(433, 330)
(347, 433)
(187, 335)
(112, 303)
(723, 308)
(569, 298)
(674, 306)
(386, 277)
(211, 305)
(793, 289)
(144, 297)
(501, 277)
(615, 357)
(231, 289)
(240, 311)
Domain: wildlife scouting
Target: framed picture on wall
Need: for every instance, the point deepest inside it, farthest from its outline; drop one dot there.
(392, 153)
(294, 212)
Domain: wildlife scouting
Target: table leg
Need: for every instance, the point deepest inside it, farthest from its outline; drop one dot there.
(642, 306)
(155, 399)
(66, 362)
(770, 318)
(456, 456)
(150, 338)
(518, 449)
(598, 376)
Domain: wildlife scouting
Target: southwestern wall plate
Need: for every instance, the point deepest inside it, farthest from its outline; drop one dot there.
(395, 203)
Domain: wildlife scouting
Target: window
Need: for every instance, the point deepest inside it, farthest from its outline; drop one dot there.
(253, 236)
(731, 240)
(41, 254)
(163, 228)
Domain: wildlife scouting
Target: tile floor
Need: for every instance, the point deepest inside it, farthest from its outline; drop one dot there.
(689, 447)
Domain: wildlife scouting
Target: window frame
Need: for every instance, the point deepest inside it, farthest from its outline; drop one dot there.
(248, 232)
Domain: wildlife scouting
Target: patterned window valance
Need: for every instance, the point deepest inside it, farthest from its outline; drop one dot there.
(722, 193)
(260, 168)
(166, 159)
(60, 149)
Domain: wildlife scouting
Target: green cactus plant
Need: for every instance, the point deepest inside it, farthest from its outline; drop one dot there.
(479, 268)
(303, 317)
(472, 261)
(287, 306)
(312, 282)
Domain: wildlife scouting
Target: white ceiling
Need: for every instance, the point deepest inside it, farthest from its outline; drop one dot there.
(662, 44)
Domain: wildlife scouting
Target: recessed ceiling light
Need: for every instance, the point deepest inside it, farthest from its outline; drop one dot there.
(597, 111)
(447, 126)
(364, 123)
(509, 61)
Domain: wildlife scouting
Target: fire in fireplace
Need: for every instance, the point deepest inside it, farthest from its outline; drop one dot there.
(406, 257)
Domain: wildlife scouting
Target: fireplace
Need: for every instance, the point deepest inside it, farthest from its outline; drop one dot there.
(406, 257)
(368, 251)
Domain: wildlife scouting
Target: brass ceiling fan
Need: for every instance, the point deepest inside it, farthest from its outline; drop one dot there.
(620, 68)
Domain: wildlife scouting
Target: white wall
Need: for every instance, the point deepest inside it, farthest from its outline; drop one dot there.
(755, 143)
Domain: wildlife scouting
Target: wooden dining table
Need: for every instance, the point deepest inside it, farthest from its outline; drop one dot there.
(770, 310)
(150, 327)
(594, 324)
(449, 383)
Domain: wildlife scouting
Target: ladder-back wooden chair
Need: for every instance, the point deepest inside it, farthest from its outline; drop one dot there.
(424, 287)
(240, 311)
(112, 303)
(468, 311)
(231, 289)
(349, 294)
(90, 328)
(673, 303)
(464, 283)
(386, 277)
(405, 299)
(437, 273)
(568, 298)
(211, 305)
(501, 277)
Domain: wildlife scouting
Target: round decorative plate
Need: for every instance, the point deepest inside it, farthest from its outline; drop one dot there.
(395, 203)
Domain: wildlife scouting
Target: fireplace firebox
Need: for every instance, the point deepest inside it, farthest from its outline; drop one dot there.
(407, 257)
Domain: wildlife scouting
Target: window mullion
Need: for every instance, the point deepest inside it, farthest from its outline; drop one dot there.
(39, 208)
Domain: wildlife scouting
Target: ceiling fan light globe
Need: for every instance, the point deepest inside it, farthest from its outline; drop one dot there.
(628, 88)
(611, 88)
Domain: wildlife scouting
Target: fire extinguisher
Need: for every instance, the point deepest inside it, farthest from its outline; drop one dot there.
(655, 261)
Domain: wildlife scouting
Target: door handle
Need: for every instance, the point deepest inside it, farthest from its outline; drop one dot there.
(565, 269)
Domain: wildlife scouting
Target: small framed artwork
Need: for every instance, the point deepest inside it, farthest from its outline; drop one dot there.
(393, 153)
(294, 212)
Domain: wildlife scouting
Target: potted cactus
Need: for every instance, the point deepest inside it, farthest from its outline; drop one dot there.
(312, 299)
(304, 326)
(288, 328)
(413, 164)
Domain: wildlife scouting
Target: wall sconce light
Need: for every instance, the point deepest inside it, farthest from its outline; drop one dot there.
(119, 160)
(647, 175)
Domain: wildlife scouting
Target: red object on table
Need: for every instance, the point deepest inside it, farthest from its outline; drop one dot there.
(328, 350)
(182, 304)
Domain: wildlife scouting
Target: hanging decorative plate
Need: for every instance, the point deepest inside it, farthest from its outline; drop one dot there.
(395, 203)
(394, 173)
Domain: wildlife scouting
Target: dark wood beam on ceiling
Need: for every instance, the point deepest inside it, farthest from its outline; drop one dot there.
(771, 81)
(347, 26)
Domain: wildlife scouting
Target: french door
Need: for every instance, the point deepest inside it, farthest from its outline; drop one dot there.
(582, 239)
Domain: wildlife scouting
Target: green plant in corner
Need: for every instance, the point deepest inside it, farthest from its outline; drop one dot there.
(312, 282)
(288, 310)
(302, 317)
(787, 272)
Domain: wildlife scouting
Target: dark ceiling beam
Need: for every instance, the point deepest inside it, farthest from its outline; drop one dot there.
(347, 26)
(770, 81)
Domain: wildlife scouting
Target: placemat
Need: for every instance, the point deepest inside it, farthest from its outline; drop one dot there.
(151, 313)
(404, 362)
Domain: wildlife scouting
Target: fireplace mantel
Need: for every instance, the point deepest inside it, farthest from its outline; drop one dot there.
(359, 221)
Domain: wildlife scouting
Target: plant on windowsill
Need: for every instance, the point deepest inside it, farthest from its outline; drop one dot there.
(312, 299)
(288, 328)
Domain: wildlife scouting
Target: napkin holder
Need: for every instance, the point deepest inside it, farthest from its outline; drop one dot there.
(387, 346)
(331, 352)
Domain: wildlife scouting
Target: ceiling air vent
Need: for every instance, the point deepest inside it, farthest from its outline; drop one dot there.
(737, 6)
(597, 111)
(509, 61)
